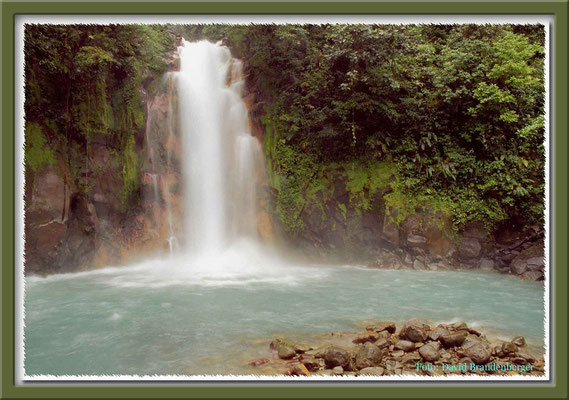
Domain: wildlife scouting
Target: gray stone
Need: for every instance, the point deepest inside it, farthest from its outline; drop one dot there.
(430, 351)
(418, 265)
(311, 363)
(383, 343)
(439, 331)
(383, 335)
(479, 353)
(486, 264)
(518, 266)
(338, 370)
(454, 339)
(405, 345)
(469, 248)
(509, 348)
(408, 259)
(335, 356)
(519, 341)
(397, 353)
(527, 357)
(372, 371)
(413, 333)
(535, 261)
(533, 275)
(459, 326)
(382, 326)
(415, 240)
(367, 336)
(285, 351)
(368, 355)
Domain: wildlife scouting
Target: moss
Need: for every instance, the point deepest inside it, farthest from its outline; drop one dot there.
(461, 206)
(364, 179)
(37, 152)
(343, 209)
(269, 142)
(129, 171)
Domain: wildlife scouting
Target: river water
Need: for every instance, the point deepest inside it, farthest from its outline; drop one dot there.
(154, 319)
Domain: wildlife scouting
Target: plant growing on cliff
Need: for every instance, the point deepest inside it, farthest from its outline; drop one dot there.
(37, 152)
(83, 88)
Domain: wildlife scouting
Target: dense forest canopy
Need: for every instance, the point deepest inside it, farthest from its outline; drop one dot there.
(451, 117)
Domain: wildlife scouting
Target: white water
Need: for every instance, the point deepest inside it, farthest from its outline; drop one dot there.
(220, 157)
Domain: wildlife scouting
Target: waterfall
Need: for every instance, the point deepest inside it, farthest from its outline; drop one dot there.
(220, 157)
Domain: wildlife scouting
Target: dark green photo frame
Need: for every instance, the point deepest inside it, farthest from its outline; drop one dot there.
(556, 388)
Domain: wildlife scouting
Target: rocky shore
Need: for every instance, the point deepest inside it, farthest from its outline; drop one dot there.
(525, 262)
(411, 348)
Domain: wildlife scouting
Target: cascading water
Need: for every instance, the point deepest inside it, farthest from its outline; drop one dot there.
(220, 157)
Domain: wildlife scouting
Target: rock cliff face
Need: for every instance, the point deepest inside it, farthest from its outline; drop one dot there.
(71, 228)
(424, 240)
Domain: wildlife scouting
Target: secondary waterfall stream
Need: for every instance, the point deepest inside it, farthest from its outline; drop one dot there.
(213, 305)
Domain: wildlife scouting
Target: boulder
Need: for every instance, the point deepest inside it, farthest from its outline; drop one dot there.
(338, 370)
(479, 353)
(469, 248)
(519, 341)
(509, 348)
(533, 275)
(497, 351)
(285, 351)
(383, 335)
(518, 266)
(336, 356)
(430, 351)
(414, 240)
(535, 261)
(368, 355)
(298, 370)
(382, 326)
(486, 264)
(527, 357)
(286, 348)
(371, 371)
(383, 343)
(454, 339)
(418, 265)
(413, 333)
(367, 336)
(405, 345)
(459, 326)
(311, 363)
(439, 331)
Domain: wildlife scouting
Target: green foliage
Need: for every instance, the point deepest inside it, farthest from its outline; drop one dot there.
(37, 153)
(130, 171)
(446, 118)
(364, 179)
(83, 86)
